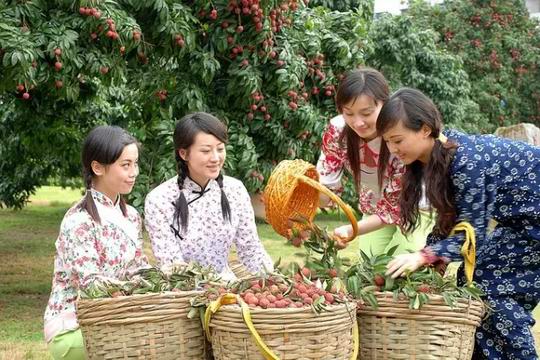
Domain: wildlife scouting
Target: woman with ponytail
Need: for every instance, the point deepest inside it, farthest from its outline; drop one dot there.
(351, 143)
(474, 179)
(200, 213)
(100, 236)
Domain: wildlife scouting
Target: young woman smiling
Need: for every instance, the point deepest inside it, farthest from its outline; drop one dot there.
(200, 213)
(100, 236)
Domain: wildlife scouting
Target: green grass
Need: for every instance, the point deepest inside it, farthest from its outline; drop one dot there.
(27, 250)
(54, 195)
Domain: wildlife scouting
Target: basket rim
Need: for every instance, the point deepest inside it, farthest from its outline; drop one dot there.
(348, 305)
(160, 295)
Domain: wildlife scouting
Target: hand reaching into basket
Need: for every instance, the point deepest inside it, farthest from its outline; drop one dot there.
(341, 234)
(405, 263)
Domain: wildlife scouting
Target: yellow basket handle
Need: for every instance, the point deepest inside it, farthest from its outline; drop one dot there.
(346, 208)
(233, 299)
(468, 250)
(228, 298)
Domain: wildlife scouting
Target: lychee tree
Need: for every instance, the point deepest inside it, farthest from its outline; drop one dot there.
(408, 55)
(267, 68)
(500, 46)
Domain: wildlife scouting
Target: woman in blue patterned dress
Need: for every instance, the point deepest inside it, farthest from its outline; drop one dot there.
(473, 178)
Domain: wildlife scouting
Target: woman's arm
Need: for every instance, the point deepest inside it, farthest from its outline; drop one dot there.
(366, 225)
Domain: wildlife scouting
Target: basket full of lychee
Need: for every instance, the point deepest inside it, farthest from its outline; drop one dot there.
(422, 314)
(279, 317)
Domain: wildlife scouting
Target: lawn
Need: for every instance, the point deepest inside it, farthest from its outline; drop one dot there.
(27, 249)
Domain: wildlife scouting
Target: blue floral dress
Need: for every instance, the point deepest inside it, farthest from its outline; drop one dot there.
(499, 179)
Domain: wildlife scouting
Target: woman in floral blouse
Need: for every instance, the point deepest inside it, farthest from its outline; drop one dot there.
(473, 179)
(350, 142)
(100, 236)
(200, 213)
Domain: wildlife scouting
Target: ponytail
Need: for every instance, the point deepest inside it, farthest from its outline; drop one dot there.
(88, 203)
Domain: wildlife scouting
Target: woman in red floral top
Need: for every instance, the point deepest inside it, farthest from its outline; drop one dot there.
(100, 236)
(350, 142)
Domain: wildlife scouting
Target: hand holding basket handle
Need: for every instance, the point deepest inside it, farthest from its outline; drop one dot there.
(293, 191)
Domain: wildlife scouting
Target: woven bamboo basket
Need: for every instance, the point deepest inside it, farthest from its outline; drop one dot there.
(436, 331)
(239, 269)
(293, 191)
(290, 333)
(148, 326)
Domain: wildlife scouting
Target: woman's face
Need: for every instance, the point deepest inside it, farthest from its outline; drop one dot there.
(409, 145)
(204, 158)
(361, 115)
(118, 177)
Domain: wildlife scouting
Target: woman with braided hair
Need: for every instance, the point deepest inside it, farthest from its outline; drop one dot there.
(199, 214)
(100, 236)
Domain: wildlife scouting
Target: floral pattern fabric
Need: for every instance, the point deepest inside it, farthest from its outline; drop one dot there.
(499, 179)
(208, 238)
(333, 161)
(87, 250)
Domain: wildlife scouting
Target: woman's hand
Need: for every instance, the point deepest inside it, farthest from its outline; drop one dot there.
(342, 234)
(405, 263)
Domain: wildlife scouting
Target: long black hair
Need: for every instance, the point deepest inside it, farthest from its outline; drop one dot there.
(103, 144)
(415, 110)
(184, 135)
(363, 81)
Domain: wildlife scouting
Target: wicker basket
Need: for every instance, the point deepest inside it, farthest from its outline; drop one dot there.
(436, 331)
(290, 333)
(293, 191)
(239, 269)
(149, 326)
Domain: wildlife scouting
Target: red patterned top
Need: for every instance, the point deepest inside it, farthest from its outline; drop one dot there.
(333, 160)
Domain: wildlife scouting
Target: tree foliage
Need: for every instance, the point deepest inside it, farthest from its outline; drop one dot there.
(408, 56)
(268, 68)
(500, 47)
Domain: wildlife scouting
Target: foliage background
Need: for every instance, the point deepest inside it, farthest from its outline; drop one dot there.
(269, 72)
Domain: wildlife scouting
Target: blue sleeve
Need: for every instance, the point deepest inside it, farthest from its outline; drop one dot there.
(468, 174)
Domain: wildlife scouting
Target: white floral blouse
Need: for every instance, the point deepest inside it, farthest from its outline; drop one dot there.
(333, 161)
(208, 238)
(85, 251)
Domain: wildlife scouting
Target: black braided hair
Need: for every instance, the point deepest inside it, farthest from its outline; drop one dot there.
(88, 202)
(181, 210)
(225, 207)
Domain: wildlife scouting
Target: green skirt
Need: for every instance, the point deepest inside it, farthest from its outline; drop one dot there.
(380, 241)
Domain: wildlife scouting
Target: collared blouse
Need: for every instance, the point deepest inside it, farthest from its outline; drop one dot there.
(86, 251)
(333, 161)
(208, 238)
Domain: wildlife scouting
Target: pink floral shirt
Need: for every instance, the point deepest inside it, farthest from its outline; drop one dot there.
(333, 160)
(85, 251)
(208, 238)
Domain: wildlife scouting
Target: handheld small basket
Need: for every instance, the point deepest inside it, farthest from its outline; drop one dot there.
(293, 192)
